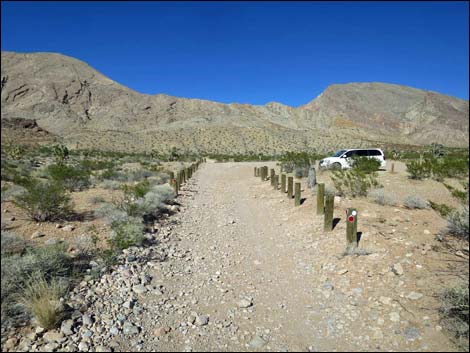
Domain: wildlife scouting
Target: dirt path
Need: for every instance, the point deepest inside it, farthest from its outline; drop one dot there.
(236, 238)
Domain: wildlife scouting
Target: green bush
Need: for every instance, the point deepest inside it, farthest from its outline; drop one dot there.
(443, 209)
(73, 178)
(300, 160)
(462, 196)
(137, 190)
(126, 234)
(61, 153)
(11, 243)
(44, 201)
(365, 165)
(419, 170)
(353, 182)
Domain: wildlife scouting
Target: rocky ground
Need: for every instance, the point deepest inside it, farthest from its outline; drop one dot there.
(239, 268)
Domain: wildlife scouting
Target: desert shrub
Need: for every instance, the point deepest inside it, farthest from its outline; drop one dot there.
(365, 165)
(110, 184)
(13, 151)
(462, 196)
(42, 299)
(443, 209)
(139, 174)
(50, 261)
(419, 169)
(353, 182)
(44, 201)
(85, 244)
(158, 196)
(291, 160)
(457, 223)
(89, 164)
(300, 172)
(312, 178)
(11, 243)
(454, 313)
(412, 202)
(73, 178)
(137, 190)
(126, 234)
(379, 196)
(61, 153)
(436, 150)
(111, 213)
(97, 199)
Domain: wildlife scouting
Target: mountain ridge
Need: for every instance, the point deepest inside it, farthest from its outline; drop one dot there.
(68, 97)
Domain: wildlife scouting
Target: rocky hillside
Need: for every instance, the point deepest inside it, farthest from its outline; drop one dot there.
(69, 99)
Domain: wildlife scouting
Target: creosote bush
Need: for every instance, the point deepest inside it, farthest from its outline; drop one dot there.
(44, 201)
(126, 234)
(73, 178)
(353, 182)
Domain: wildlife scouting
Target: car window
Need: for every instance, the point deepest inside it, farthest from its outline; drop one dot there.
(363, 153)
(351, 154)
(339, 153)
(375, 153)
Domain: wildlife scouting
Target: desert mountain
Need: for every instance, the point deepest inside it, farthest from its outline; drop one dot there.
(67, 98)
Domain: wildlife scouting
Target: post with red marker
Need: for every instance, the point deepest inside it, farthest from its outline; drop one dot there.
(351, 230)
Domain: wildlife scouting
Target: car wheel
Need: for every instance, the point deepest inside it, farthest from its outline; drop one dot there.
(336, 166)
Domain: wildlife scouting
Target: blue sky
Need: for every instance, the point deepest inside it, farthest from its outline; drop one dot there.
(251, 52)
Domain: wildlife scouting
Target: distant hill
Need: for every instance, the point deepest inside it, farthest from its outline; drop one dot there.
(69, 99)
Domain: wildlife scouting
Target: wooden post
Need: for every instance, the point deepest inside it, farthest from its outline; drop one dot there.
(393, 168)
(265, 173)
(171, 174)
(297, 194)
(283, 183)
(329, 207)
(320, 198)
(276, 182)
(256, 171)
(271, 176)
(174, 184)
(351, 230)
(290, 187)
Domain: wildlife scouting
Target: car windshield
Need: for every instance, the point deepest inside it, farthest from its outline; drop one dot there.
(339, 153)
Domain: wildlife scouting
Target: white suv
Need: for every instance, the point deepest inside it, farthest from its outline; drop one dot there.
(343, 158)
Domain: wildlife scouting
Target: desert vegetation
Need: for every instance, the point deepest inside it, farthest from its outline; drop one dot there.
(44, 186)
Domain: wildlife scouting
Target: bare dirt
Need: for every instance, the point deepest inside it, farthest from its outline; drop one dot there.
(239, 238)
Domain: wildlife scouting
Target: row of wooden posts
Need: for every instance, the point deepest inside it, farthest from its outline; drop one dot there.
(183, 175)
(325, 203)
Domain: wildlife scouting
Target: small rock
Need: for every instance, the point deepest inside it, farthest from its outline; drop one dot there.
(53, 336)
(161, 331)
(87, 320)
(414, 296)
(257, 342)
(69, 227)
(66, 327)
(50, 242)
(10, 343)
(397, 269)
(114, 330)
(202, 320)
(130, 329)
(11, 219)
(244, 303)
(411, 333)
(102, 349)
(394, 317)
(38, 234)
(139, 289)
(385, 300)
(83, 346)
